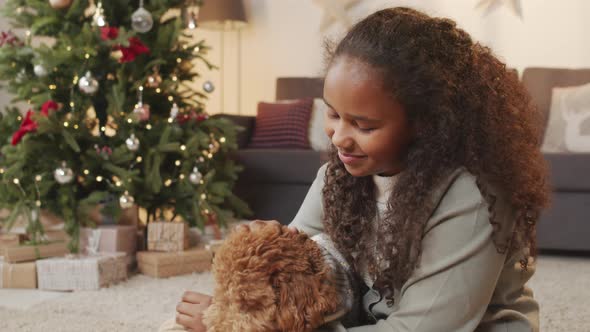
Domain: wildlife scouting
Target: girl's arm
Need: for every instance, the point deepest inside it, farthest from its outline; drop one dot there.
(458, 272)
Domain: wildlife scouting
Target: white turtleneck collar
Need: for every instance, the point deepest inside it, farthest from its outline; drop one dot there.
(384, 186)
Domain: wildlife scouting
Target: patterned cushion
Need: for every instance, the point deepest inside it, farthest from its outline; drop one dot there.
(282, 125)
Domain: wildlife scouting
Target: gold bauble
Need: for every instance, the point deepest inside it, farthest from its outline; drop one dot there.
(60, 4)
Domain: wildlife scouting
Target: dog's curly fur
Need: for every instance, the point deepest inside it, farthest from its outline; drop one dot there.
(270, 279)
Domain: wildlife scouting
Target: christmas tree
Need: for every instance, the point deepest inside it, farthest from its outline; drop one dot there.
(113, 118)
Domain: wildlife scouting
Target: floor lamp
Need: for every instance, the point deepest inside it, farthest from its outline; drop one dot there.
(225, 15)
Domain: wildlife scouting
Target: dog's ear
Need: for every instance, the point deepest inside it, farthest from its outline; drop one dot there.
(304, 302)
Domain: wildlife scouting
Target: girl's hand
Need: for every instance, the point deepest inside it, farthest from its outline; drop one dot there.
(189, 312)
(253, 225)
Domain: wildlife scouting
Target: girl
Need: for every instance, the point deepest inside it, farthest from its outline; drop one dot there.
(435, 180)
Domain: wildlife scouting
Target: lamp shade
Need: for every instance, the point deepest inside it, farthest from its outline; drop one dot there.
(222, 15)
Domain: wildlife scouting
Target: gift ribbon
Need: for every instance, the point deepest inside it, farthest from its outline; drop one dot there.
(10, 270)
(1, 272)
(93, 241)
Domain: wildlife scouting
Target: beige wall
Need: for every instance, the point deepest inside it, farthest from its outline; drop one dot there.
(283, 39)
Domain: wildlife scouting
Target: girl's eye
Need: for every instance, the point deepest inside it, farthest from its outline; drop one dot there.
(333, 115)
(366, 130)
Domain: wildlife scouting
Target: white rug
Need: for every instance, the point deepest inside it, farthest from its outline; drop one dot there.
(142, 303)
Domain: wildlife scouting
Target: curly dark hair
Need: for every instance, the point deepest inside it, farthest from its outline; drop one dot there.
(468, 110)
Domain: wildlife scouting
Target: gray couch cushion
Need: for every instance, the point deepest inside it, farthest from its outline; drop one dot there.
(569, 172)
(279, 165)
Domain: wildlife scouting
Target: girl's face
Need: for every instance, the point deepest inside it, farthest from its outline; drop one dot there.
(368, 127)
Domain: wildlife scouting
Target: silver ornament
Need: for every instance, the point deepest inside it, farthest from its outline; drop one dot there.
(126, 201)
(141, 19)
(208, 86)
(174, 112)
(40, 71)
(195, 177)
(21, 76)
(132, 143)
(98, 19)
(63, 174)
(88, 84)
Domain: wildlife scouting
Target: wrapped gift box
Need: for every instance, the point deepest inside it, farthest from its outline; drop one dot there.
(167, 236)
(57, 235)
(81, 272)
(25, 252)
(11, 239)
(167, 264)
(18, 275)
(110, 239)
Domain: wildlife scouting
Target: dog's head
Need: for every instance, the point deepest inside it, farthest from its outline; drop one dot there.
(270, 279)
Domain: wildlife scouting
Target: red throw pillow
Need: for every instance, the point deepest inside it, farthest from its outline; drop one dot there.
(282, 125)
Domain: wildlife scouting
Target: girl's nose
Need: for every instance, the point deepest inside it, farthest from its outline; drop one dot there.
(342, 140)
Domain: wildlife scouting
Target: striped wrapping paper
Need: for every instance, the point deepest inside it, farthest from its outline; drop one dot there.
(81, 272)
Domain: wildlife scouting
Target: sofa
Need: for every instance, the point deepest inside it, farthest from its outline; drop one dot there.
(565, 226)
(275, 181)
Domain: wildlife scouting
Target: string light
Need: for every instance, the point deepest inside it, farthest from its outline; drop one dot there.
(99, 178)
(178, 60)
(52, 86)
(16, 181)
(38, 178)
(72, 104)
(86, 172)
(141, 88)
(103, 128)
(76, 126)
(69, 48)
(183, 147)
(148, 126)
(203, 196)
(174, 78)
(222, 140)
(1, 170)
(210, 155)
(158, 90)
(87, 56)
(181, 176)
(177, 163)
(138, 159)
(38, 203)
(170, 98)
(129, 120)
(168, 182)
(66, 124)
(28, 33)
